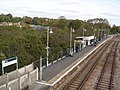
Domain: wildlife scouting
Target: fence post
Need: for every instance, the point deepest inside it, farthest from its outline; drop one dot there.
(40, 68)
(25, 69)
(32, 66)
(18, 76)
(29, 80)
(37, 73)
(18, 83)
(6, 81)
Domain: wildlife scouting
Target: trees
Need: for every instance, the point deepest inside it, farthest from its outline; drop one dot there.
(9, 18)
(16, 19)
(115, 29)
(36, 21)
(27, 19)
(76, 24)
(28, 45)
(99, 23)
(4, 18)
(62, 24)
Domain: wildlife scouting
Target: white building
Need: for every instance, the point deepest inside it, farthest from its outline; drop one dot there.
(83, 41)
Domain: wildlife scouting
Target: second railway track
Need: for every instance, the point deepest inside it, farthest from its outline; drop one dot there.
(105, 81)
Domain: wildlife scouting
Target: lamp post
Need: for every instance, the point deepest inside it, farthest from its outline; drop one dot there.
(94, 33)
(108, 32)
(105, 33)
(101, 34)
(98, 34)
(84, 30)
(94, 36)
(49, 30)
(71, 31)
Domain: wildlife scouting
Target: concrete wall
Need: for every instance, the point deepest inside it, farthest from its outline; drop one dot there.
(33, 76)
(22, 71)
(3, 79)
(3, 87)
(29, 68)
(19, 79)
(24, 81)
(21, 82)
(12, 75)
(13, 85)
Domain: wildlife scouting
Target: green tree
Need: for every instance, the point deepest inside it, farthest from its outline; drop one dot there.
(16, 19)
(114, 29)
(27, 19)
(62, 24)
(76, 24)
(36, 21)
(2, 56)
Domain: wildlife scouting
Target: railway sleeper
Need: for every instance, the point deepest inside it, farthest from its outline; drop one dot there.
(78, 80)
(105, 77)
(71, 88)
(74, 86)
(102, 88)
(75, 83)
(105, 82)
(103, 85)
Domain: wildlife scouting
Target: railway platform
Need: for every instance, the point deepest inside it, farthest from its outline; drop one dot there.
(54, 73)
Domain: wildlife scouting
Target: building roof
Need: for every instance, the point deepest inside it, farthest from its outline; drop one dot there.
(85, 37)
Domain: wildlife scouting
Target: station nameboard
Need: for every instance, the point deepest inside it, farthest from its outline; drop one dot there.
(8, 62)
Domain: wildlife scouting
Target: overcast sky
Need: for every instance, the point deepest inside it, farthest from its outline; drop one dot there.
(71, 9)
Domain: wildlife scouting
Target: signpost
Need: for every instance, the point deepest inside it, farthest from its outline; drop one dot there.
(8, 62)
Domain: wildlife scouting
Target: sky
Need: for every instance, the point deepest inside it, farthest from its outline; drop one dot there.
(71, 9)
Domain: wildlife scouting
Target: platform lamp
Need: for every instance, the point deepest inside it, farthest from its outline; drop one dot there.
(49, 31)
(84, 30)
(94, 34)
(71, 31)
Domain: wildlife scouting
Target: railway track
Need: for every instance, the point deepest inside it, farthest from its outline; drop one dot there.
(105, 81)
(79, 80)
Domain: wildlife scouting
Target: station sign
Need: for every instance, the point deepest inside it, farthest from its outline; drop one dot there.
(8, 62)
